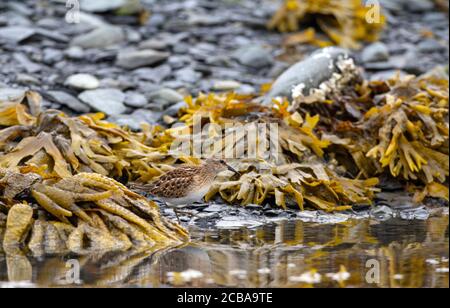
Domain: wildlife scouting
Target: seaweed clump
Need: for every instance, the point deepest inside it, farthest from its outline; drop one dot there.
(291, 154)
(412, 126)
(278, 154)
(83, 213)
(57, 146)
(56, 179)
(344, 22)
(398, 126)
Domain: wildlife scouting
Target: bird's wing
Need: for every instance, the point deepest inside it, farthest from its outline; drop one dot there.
(173, 184)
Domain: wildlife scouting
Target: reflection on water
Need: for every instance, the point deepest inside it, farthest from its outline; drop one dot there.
(356, 253)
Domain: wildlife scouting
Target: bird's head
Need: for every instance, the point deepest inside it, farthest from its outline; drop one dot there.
(219, 165)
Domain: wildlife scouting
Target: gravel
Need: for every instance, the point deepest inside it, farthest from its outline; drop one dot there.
(109, 62)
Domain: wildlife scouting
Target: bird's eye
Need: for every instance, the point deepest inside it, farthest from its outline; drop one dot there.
(222, 161)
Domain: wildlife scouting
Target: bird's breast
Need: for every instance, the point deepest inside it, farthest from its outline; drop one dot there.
(191, 197)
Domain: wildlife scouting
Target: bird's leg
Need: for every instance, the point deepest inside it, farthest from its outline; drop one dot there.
(176, 214)
(186, 212)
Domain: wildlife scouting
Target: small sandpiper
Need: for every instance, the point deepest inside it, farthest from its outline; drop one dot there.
(186, 184)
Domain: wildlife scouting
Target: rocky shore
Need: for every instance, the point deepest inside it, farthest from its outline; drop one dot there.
(137, 73)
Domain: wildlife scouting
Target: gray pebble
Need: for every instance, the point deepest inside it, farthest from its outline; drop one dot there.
(375, 52)
(69, 101)
(108, 101)
(188, 75)
(430, 45)
(137, 58)
(83, 81)
(135, 100)
(255, 56)
(166, 96)
(16, 34)
(101, 37)
(11, 94)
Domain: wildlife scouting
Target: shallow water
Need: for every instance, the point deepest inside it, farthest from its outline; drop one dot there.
(353, 253)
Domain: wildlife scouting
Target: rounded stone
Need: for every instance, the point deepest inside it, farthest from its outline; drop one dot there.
(83, 81)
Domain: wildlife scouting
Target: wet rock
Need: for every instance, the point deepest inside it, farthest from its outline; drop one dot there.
(126, 120)
(146, 116)
(20, 8)
(75, 53)
(165, 96)
(27, 79)
(382, 213)
(48, 23)
(173, 109)
(99, 6)
(83, 82)
(420, 213)
(53, 35)
(215, 208)
(206, 20)
(375, 52)
(395, 6)
(433, 17)
(175, 84)
(26, 63)
(246, 89)
(312, 71)
(322, 218)
(253, 56)
(137, 58)
(91, 21)
(135, 100)
(69, 101)
(119, 83)
(155, 75)
(235, 222)
(133, 36)
(226, 85)
(157, 20)
(154, 44)
(108, 101)
(101, 37)
(430, 45)
(51, 56)
(410, 63)
(16, 34)
(188, 75)
(419, 6)
(12, 94)
(179, 61)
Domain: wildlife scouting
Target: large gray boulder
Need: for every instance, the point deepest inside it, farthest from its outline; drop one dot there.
(311, 72)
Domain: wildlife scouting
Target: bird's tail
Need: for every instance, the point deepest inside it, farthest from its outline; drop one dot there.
(141, 188)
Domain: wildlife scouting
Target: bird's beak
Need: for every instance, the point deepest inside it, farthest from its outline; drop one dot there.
(232, 169)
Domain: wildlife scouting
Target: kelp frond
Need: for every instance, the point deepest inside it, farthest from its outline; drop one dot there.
(346, 23)
(303, 186)
(412, 130)
(76, 208)
(55, 145)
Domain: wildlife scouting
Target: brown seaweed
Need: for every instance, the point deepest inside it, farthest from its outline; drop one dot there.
(344, 22)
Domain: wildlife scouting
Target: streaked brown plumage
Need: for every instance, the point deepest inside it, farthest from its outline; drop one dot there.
(185, 184)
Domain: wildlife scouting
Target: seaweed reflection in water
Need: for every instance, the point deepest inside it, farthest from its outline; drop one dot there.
(282, 254)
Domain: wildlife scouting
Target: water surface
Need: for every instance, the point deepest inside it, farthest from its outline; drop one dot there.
(285, 253)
